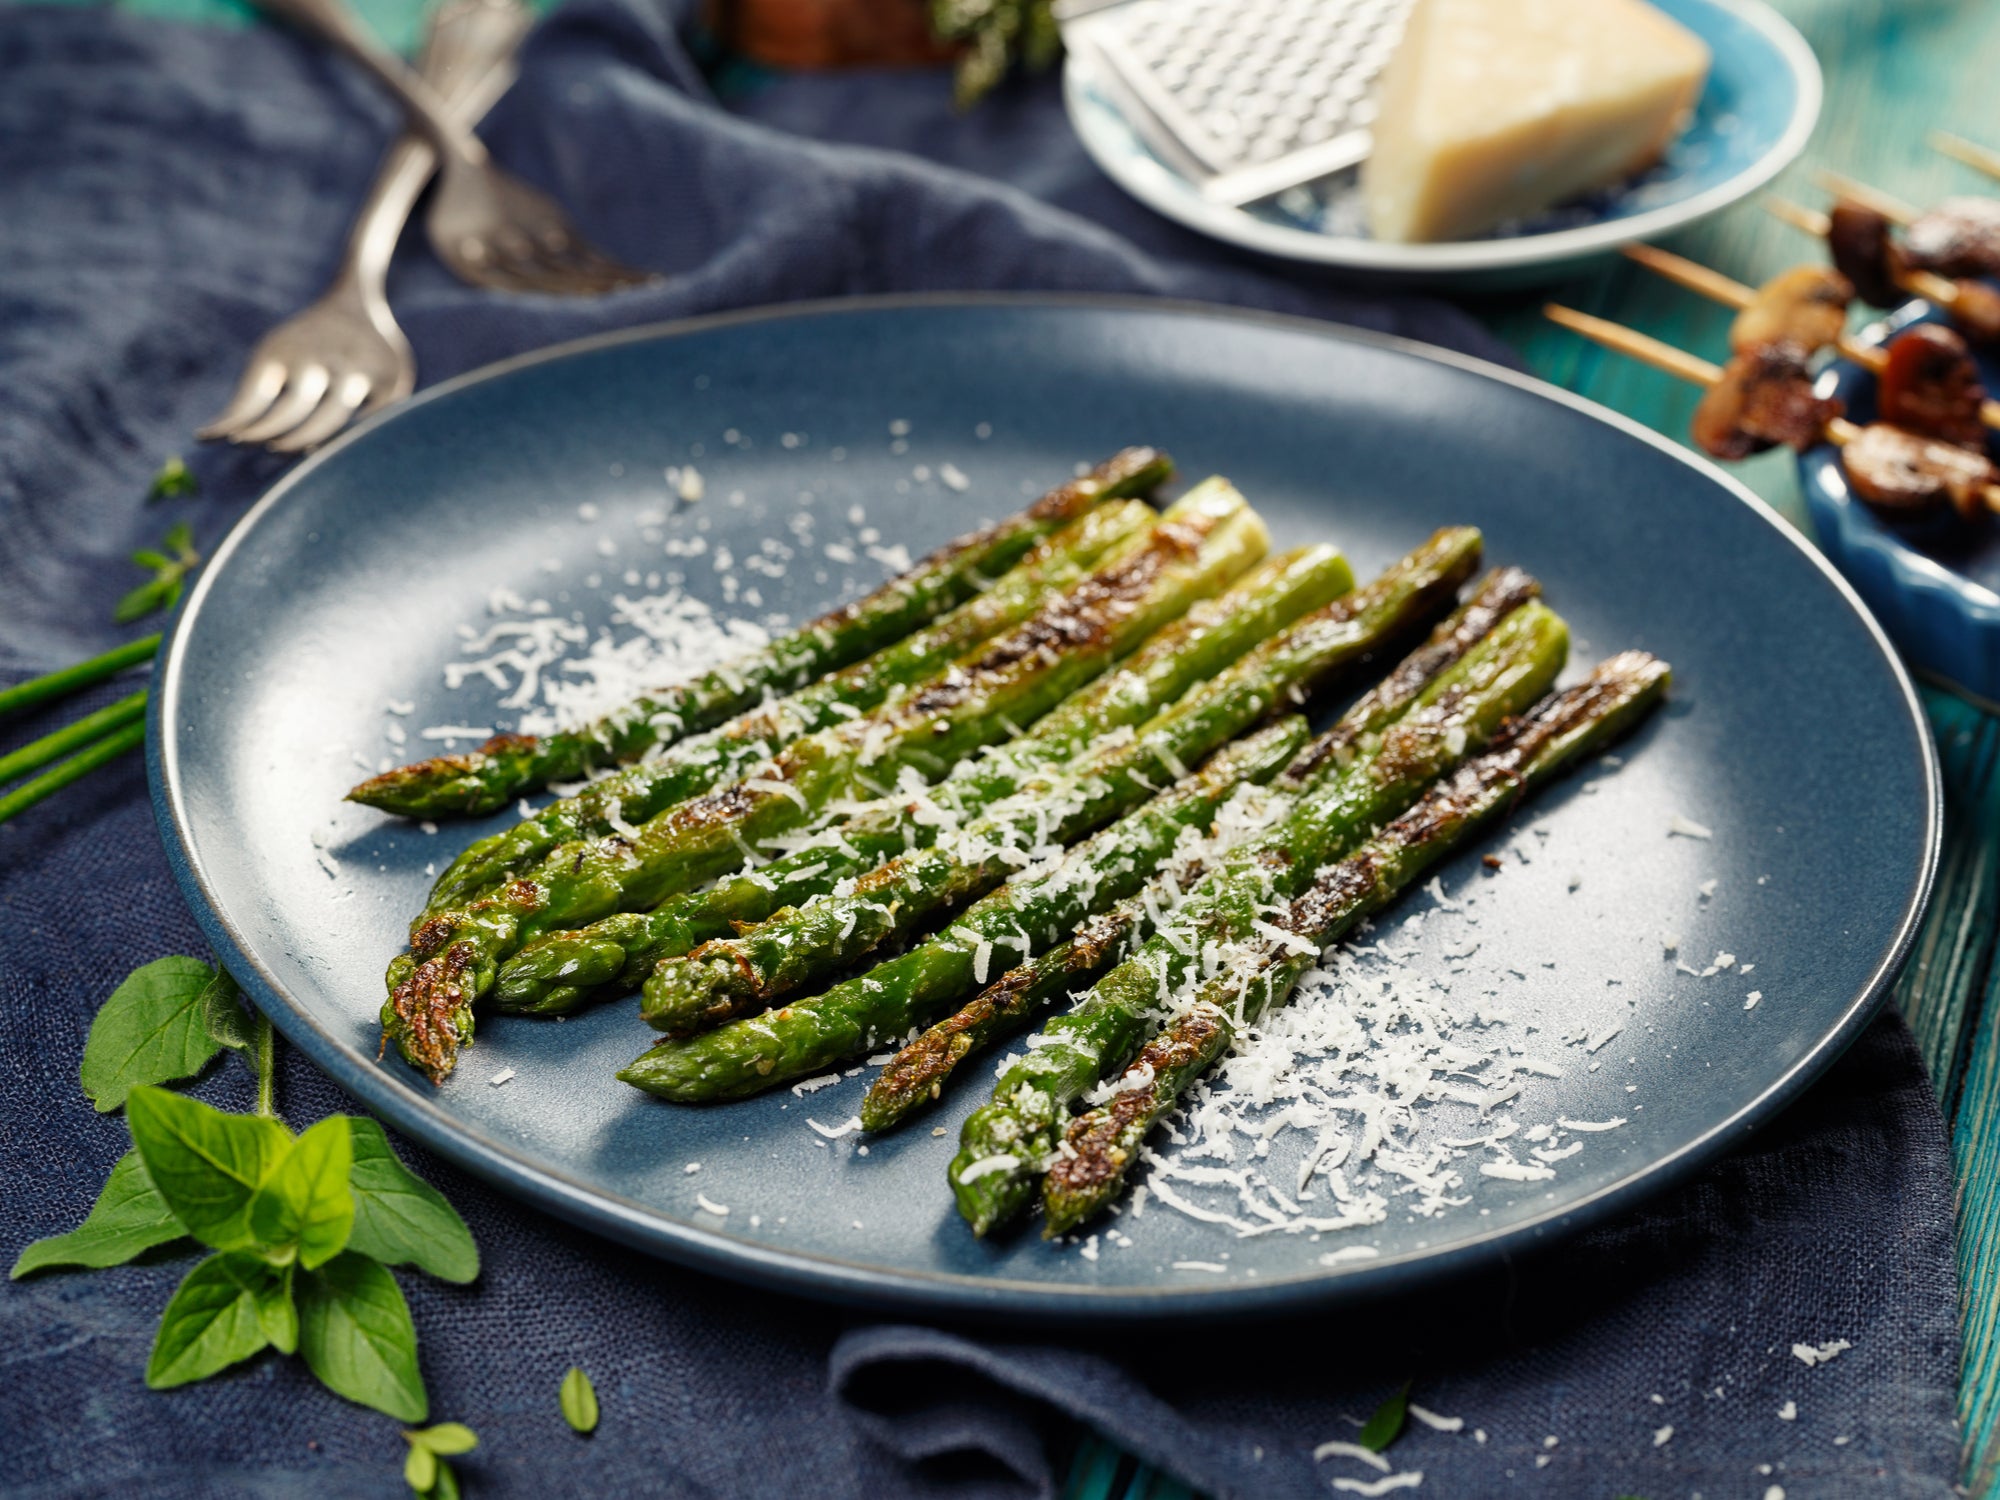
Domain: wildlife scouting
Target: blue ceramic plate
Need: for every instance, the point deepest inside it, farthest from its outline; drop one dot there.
(323, 628)
(1762, 99)
(1934, 585)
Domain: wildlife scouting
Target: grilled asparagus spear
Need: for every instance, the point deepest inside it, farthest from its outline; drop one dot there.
(1206, 539)
(508, 765)
(696, 765)
(1261, 972)
(919, 1071)
(757, 1053)
(1003, 1143)
(562, 970)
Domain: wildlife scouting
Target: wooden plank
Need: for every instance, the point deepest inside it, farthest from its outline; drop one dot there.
(1976, 1143)
(1941, 992)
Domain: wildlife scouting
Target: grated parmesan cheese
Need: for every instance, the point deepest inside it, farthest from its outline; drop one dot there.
(1340, 1449)
(1405, 1481)
(987, 1165)
(1435, 1422)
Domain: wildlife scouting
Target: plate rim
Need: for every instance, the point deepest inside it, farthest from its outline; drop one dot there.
(859, 1283)
(1464, 257)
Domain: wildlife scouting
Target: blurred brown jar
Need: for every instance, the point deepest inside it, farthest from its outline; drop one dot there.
(828, 33)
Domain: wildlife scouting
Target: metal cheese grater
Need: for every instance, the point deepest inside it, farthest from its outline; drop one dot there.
(1246, 98)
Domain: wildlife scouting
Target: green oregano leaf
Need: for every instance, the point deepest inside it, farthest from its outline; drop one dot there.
(399, 1219)
(446, 1487)
(305, 1202)
(129, 1218)
(206, 1164)
(153, 1029)
(225, 1310)
(579, 1400)
(420, 1469)
(355, 1333)
(1387, 1424)
(446, 1439)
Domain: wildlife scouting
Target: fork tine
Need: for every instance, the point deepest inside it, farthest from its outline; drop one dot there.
(254, 393)
(521, 258)
(308, 384)
(578, 266)
(614, 273)
(570, 279)
(332, 414)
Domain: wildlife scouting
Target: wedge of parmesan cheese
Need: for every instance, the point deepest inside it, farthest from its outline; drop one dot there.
(1491, 109)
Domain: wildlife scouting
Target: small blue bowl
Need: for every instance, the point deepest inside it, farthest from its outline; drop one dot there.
(1934, 584)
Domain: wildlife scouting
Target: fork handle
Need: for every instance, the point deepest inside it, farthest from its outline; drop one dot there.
(468, 62)
(337, 25)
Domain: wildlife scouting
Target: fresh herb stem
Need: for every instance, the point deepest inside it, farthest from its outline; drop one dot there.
(38, 753)
(267, 1064)
(66, 681)
(113, 745)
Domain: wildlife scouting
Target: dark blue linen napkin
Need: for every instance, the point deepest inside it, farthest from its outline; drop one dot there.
(166, 193)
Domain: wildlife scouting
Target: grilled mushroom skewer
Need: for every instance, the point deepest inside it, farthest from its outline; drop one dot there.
(1857, 234)
(1798, 305)
(1900, 472)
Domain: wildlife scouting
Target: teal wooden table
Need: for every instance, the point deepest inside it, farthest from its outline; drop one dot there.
(1895, 69)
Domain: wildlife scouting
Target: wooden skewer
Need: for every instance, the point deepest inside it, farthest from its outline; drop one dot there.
(1985, 158)
(1641, 346)
(1895, 210)
(1719, 288)
(1926, 284)
(1689, 367)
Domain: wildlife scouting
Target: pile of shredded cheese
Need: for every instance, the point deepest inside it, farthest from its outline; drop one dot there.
(1313, 1122)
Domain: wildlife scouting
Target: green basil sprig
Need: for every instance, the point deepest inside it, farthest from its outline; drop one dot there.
(301, 1228)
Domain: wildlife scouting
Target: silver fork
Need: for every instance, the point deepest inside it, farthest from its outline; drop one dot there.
(344, 355)
(491, 228)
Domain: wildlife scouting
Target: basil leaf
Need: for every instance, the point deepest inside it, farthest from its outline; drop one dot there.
(206, 1164)
(420, 1469)
(305, 1201)
(579, 1400)
(223, 1015)
(399, 1219)
(446, 1438)
(1387, 1424)
(355, 1333)
(446, 1487)
(128, 1218)
(225, 1310)
(149, 1031)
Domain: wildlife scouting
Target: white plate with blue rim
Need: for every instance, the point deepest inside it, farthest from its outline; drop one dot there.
(1760, 103)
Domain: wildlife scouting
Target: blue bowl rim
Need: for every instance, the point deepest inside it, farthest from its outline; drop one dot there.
(851, 1283)
(1171, 197)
